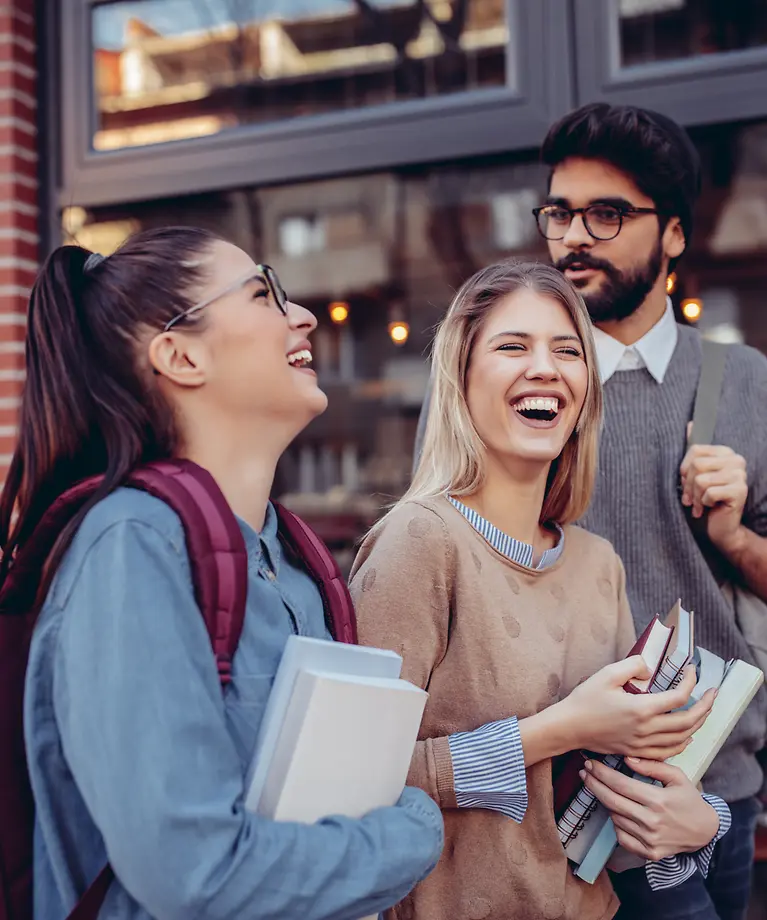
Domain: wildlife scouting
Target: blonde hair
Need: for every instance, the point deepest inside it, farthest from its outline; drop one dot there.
(452, 459)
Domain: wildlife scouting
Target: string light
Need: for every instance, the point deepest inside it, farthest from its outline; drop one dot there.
(339, 312)
(671, 283)
(692, 309)
(399, 332)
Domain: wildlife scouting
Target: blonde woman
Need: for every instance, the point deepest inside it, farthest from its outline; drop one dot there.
(512, 618)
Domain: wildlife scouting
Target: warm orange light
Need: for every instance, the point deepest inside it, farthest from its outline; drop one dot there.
(671, 283)
(399, 332)
(339, 312)
(692, 309)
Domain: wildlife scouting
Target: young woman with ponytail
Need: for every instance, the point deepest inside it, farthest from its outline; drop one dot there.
(178, 345)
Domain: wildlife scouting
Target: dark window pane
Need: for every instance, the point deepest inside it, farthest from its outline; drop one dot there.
(380, 249)
(667, 30)
(169, 69)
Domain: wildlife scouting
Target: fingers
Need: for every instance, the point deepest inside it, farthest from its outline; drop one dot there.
(668, 700)
(627, 790)
(630, 838)
(685, 721)
(663, 772)
(627, 669)
(707, 467)
(613, 801)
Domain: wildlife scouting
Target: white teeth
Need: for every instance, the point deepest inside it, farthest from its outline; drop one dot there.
(537, 404)
(300, 358)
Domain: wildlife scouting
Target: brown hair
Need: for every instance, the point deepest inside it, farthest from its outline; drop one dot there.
(89, 406)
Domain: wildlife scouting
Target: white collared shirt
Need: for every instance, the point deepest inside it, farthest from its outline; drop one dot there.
(653, 350)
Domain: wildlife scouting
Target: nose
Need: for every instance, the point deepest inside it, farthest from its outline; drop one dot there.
(577, 236)
(300, 319)
(541, 364)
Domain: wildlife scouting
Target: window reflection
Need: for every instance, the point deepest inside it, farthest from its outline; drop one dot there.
(666, 30)
(170, 69)
(363, 252)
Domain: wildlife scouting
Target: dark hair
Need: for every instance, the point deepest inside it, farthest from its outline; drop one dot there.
(654, 151)
(89, 406)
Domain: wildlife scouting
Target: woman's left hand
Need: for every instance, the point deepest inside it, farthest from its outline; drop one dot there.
(653, 821)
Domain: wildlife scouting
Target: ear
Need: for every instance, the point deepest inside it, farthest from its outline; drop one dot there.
(179, 358)
(674, 243)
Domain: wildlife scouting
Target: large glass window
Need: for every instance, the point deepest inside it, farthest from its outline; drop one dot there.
(171, 69)
(667, 30)
(377, 259)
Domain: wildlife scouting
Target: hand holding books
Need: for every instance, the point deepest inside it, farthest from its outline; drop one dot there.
(607, 720)
(652, 821)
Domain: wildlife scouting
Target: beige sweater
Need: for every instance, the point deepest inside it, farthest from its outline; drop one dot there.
(490, 639)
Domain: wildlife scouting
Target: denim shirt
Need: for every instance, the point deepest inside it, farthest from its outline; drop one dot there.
(137, 758)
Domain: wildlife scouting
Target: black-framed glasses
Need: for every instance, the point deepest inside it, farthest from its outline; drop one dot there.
(602, 221)
(263, 273)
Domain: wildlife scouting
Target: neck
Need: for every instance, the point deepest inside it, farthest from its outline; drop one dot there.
(650, 311)
(243, 467)
(511, 498)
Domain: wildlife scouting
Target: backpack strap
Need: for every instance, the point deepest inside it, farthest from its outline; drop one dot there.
(215, 545)
(709, 391)
(309, 549)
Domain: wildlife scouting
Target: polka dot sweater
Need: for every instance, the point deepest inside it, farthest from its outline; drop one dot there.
(490, 639)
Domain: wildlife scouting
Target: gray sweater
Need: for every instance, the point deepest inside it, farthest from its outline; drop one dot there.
(637, 507)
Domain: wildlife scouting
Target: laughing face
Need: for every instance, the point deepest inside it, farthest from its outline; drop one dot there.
(527, 378)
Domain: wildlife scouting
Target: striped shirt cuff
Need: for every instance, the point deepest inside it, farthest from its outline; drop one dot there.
(673, 870)
(489, 769)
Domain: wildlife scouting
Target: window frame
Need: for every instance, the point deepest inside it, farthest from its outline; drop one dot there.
(397, 134)
(693, 91)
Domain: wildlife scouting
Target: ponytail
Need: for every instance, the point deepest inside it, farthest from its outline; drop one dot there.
(87, 407)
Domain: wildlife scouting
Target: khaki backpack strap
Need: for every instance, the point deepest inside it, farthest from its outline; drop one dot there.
(709, 391)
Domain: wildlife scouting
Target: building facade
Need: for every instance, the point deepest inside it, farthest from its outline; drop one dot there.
(376, 153)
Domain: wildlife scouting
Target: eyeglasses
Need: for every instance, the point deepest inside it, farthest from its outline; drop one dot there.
(264, 273)
(602, 221)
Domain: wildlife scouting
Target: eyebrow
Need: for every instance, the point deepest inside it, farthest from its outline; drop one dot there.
(526, 335)
(616, 202)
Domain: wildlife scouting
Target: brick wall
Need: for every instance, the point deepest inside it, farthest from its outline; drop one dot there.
(18, 204)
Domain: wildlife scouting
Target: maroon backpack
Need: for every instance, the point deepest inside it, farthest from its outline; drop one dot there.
(218, 561)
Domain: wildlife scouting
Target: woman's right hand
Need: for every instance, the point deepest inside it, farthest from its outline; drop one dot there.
(607, 720)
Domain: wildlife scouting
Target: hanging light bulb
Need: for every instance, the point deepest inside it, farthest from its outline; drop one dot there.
(692, 309)
(339, 312)
(399, 332)
(671, 283)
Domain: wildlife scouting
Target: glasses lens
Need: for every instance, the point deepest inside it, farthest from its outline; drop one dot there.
(277, 289)
(603, 221)
(553, 222)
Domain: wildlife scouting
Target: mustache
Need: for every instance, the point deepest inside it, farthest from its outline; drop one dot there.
(585, 260)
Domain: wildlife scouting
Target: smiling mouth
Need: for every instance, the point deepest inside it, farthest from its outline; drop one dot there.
(537, 408)
(300, 359)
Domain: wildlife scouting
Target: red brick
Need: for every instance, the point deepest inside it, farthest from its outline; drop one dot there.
(14, 191)
(11, 78)
(9, 388)
(21, 249)
(16, 220)
(11, 361)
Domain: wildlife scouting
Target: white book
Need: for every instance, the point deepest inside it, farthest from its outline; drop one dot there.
(344, 748)
(303, 653)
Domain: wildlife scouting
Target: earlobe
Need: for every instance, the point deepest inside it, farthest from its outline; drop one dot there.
(674, 242)
(170, 358)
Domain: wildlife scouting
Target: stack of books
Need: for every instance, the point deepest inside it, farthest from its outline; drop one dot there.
(585, 828)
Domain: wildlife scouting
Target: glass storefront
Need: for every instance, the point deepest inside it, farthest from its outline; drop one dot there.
(377, 257)
(173, 69)
(668, 30)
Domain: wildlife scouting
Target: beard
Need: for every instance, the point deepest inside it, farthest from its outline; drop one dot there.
(621, 293)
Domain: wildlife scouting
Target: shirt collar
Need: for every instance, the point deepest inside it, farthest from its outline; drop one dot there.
(263, 547)
(653, 350)
(516, 550)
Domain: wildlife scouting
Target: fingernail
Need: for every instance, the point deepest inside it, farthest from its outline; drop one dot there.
(589, 766)
(582, 774)
(633, 759)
